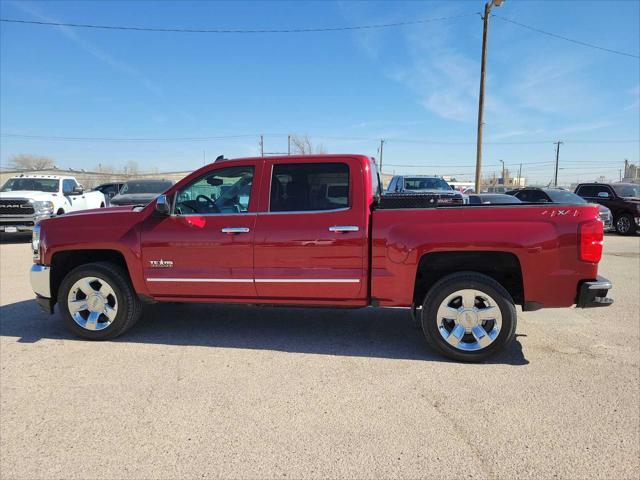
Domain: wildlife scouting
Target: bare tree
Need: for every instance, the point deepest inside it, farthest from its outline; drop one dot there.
(302, 145)
(25, 161)
(131, 168)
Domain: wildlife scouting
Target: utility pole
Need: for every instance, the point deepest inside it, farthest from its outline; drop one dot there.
(381, 147)
(483, 65)
(557, 144)
(520, 176)
(288, 144)
(262, 145)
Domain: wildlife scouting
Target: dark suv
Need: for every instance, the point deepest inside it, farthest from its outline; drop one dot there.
(623, 199)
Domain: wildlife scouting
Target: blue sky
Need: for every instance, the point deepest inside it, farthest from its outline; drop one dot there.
(415, 85)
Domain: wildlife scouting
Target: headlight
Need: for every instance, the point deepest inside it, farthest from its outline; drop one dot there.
(42, 207)
(35, 241)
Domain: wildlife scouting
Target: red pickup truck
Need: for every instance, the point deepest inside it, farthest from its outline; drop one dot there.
(315, 230)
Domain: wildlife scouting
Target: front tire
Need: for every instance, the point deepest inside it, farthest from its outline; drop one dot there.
(468, 317)
(97, 301)
(625, 224)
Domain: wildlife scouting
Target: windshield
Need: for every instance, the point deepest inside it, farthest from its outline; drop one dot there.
(562, 196)
(627, 190)
(418, 183)
(48, 185)
(145, 187)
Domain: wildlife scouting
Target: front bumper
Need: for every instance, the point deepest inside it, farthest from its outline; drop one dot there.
(20, 223)
(40, 278)
(17, 223)
(607, 220)
(594, 293)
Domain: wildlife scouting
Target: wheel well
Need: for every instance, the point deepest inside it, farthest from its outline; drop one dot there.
(60, 212)
(63, 262)
(501, 266)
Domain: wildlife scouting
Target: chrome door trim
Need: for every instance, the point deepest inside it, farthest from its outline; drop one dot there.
(202, 280)
(256, 280)
(307, 280)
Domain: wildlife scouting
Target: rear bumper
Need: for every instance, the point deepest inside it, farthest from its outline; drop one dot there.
(594, 293)
(40, 278)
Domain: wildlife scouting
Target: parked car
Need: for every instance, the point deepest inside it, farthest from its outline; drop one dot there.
(623, 199)
(558, 195)
(109, 190)
(488, 198)
(273, 235)
(140, 192)
(430, 184)
(26, 199)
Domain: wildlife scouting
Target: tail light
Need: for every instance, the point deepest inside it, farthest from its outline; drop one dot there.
(591, 239)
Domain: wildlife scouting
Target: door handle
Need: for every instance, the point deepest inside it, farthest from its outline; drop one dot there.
(234, 230)
(343, 228)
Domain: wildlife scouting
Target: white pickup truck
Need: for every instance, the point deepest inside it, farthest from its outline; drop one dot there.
(28, 198)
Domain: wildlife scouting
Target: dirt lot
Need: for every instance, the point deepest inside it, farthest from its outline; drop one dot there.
(228, 391)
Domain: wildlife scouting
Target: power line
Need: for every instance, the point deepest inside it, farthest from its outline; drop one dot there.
(223, 30)
(126, 139)
(561, 37)
(364, 139)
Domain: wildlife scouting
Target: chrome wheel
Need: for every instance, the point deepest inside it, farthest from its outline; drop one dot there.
(469, 320)
(623, 224)
(92, 303)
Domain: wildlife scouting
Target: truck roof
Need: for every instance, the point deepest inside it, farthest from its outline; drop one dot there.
(323, 156)
(54, 177)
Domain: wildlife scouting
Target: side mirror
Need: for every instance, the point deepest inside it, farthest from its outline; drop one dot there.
(603, 195)
(111, 194)
(162, 205)
(77, 190)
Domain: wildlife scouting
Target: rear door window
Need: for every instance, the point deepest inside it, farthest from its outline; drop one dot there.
(303, 187)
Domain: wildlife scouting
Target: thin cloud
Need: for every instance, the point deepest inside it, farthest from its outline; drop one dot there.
(93, 50)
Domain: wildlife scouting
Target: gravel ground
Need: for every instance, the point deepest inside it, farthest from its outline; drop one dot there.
(240, 392)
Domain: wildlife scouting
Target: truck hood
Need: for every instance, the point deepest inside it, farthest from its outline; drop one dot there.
(99, 211)
(30, 194)
(134, 199)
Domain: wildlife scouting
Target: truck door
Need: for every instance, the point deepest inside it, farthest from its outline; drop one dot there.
(205, 247)
(310, 234)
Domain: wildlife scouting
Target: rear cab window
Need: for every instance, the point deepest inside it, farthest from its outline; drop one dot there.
(307, 187)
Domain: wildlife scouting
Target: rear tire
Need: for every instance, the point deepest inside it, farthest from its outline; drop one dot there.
(625, 225)
(468, 317)
(97, 301)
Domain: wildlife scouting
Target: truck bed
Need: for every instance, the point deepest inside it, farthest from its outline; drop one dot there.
(543, 239)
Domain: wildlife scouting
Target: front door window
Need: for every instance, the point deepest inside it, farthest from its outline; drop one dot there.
(224, 191)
